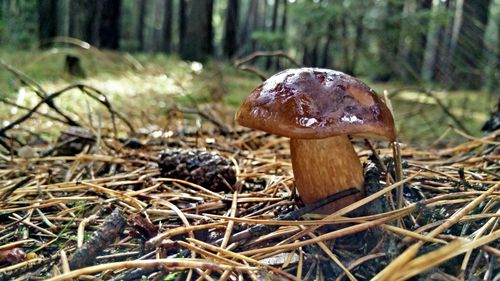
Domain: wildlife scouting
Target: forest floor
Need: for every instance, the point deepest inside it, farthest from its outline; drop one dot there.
(99, 202)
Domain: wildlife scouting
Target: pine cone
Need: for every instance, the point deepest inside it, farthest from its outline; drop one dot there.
(207, 169)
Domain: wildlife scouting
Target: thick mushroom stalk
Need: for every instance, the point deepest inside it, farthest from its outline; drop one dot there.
(323, 167)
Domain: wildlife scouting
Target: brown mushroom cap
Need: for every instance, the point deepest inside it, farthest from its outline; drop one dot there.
(311, 103)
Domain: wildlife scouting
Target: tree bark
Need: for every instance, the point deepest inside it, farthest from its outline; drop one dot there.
(256, 23)
(416, 49)
(325, 58)
(389, 40)
(283, 25)
(92, 21)
(274, 24)
(197, 44)
(140, 25)
(249, 24)
(183, 17)
(442, 67)
(468, 53)
(230, 45)
(167, 25)
(47, 20)
(76, 19)
(109, 29)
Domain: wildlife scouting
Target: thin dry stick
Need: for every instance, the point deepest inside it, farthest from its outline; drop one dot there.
(171, 264)
(259, 54)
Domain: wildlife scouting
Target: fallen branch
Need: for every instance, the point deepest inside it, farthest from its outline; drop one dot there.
(260, 54)
(39, 91)
(103, 237)
(84, 89)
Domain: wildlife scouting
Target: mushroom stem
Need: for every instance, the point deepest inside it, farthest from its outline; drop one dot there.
(322, 167)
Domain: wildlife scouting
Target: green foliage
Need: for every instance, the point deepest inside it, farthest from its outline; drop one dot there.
(18, 25)
(269, 40)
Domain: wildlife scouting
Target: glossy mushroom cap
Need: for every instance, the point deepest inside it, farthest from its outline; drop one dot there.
(311, 103)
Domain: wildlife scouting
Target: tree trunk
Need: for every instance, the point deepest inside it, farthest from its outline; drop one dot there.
(325, 58)
(274, 24)
(47, 20)
(140, 25)
(281, 44)
(431, 42)
(358, 39)
(415, 56)
(256, 23)
(470, 44)
(442, 67)
(183, 17)
(249, 24)
(92, 21)
(109, 30)
(197, 44)
(389, 39)
(167, 25)
(76, 19)
(230, 44)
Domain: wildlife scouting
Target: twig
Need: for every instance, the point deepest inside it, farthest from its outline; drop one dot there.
(6, 101)
(107, 233)
(39, 91)
(56, 94)
(255, 71)
(259, 54)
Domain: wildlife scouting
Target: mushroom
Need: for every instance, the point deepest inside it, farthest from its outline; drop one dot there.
(318, 109)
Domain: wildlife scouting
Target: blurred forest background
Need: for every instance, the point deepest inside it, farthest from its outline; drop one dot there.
(439, 60)
(450, 42)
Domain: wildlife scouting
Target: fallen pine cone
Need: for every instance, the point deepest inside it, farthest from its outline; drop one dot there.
(207, 169)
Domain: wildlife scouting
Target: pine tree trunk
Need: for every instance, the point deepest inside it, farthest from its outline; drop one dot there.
(197, 44)
(167, 25)
(230, 45)
(442, 67)
(256, 23)
(389, 39)
(75, 20)
(468, 54)
(249, 24)
(183, 17)
(274, 24)
(140, 25)
(416, 52)
(109, 29)
(283, 26)
(92, 21)
(47, 20)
